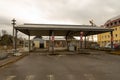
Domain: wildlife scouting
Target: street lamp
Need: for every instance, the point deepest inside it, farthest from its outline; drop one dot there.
(13, 23)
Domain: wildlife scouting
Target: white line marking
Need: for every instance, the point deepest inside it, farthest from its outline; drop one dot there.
(30, 77)
(89, 76)
(51, 77)
(10, 77)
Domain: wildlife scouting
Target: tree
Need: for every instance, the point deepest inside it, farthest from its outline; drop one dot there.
(6, 40)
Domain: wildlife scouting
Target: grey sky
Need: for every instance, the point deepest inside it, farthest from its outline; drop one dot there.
(58, 11)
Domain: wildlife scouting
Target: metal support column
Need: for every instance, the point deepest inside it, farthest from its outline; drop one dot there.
(52, 38)
(29, 42)
(85, 42)
(16, 40)
(66, 42)
(111, 39)
(49, 46)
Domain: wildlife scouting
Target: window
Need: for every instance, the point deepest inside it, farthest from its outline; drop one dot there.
(105, 36)
(115, 29)
(115, 23)
(111, 24)
(107, 25)
(102, 37)
(115, 35)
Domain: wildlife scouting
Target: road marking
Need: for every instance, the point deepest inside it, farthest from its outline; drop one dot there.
(30, 77)
(61, 55)
(10, 77)
(51, 77)
(89, 76)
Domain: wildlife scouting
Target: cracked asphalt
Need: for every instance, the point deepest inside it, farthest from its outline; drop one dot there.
(95, 66)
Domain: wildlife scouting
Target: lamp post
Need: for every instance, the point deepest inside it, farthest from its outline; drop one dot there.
(13, 23)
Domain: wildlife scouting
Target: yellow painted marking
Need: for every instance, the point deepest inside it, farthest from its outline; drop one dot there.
(51, 77)
(30, 77)
(89, 76)
(10, 77)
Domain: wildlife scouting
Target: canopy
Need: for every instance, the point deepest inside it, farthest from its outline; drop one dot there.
(60, 29)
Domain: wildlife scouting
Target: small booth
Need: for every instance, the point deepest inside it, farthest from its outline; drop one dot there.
(26, 45)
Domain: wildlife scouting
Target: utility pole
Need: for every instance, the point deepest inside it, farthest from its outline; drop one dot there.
(13, 23)
(93, 25)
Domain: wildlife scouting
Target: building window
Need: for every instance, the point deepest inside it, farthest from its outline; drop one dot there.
(111, 24)
(115, 35)
(107, 25)
(105, 36)
(115, 23)
(115, 29)
(116, 41)
(102, 37)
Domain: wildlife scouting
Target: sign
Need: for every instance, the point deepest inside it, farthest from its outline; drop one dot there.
(81, 36)
(52, 37)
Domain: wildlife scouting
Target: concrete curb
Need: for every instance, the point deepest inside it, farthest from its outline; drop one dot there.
(12, 61)
(115, 52)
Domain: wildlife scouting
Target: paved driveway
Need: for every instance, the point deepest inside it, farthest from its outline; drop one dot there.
(64, 67)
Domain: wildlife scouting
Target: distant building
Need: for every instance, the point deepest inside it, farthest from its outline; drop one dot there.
(105, 38)
(44, 42)
(38, 42)
(59, 42)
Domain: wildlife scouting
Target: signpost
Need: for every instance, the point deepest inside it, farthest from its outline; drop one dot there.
(81, 39)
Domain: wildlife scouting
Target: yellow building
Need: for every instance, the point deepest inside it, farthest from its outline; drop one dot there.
(105, 38)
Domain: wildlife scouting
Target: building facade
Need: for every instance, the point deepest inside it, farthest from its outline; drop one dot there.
(105, 38)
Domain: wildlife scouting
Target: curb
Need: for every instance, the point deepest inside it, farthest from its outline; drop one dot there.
(12, 61)
(117, 52)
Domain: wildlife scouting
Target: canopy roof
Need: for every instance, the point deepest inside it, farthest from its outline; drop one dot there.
(60, 30)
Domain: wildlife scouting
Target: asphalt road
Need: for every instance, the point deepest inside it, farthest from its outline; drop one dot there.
(64, 67)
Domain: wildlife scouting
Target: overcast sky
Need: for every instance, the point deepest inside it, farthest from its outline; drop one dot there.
(58, 11)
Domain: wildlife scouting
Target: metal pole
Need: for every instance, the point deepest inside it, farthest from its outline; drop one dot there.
(52, 41)
(29, 42)
(85, 42)
(49, 44)
(13, 23)
(16, 40)
(111, 39)
(67, 42)
(49, 41)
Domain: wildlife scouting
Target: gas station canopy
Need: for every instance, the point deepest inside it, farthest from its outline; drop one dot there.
(60, 29)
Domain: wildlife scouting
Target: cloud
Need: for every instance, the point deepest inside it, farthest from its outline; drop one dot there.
(58, 11)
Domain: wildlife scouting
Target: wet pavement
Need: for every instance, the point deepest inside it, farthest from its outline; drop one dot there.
(96, 66)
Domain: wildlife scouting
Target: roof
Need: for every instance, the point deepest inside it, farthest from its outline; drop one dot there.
(114, 18)
(60, 29)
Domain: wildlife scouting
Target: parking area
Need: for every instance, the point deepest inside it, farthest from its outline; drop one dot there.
(95, 66)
